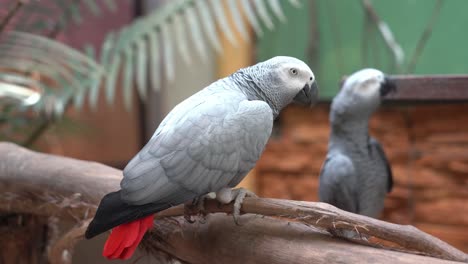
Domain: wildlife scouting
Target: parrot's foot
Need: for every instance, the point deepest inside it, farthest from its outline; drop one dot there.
(227, 195)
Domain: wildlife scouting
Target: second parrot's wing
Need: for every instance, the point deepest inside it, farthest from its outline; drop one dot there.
(338, 181)
(377, 148)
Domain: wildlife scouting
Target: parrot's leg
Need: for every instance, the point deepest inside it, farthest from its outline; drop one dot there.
(227, 195)
(199, 203)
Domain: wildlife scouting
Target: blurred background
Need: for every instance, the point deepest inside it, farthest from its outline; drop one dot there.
(426, 142)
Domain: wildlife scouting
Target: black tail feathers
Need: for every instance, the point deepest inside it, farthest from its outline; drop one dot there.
(112, 211)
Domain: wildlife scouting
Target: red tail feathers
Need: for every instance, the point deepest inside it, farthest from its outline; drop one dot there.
(125, 238)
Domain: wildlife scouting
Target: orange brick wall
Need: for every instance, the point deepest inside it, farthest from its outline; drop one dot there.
(427, 146)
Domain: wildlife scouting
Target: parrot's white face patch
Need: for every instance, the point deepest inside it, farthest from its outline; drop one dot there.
(295, 76)
(368, 89)
(285, 80)
(365, 83)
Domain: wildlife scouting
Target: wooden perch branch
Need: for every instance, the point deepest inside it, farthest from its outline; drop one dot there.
(322, 215)
(265, 240)
(49, 185)
(69, 189)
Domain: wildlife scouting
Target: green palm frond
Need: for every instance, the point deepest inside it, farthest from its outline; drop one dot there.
(166, 32)
(39, 16)
(50, 70)
(141, 54)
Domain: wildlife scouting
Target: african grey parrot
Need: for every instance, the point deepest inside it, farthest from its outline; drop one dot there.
(356, 174)
(207, 143)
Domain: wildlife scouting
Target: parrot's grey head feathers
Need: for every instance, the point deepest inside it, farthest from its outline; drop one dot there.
(279, 81)
(361, 93)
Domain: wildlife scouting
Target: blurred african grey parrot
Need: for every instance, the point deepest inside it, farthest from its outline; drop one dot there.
(207, 143)
(356, 174)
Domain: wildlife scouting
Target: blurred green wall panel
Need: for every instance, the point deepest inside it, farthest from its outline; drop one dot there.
(288, 39)
(348, 42)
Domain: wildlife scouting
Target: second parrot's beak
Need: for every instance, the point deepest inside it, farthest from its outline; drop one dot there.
(388, 86)
(308, 95)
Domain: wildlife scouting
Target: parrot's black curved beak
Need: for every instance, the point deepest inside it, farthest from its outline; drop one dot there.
(308, 95)
(388, 86)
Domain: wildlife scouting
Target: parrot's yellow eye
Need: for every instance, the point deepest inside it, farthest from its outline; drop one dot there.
(293, 71)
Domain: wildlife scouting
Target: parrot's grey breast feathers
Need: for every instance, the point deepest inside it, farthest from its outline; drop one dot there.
(338, 182)
(200, 149)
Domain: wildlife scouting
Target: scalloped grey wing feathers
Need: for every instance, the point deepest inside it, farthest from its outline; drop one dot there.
(384, 161)
(206, 143)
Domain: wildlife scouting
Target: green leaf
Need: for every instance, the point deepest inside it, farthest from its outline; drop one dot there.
(154, 51)
(112, 79)
(39, 44)
(141, 67)
(195, 32)
(63, 72)
(94, 86)
(263, 13)
(59, 106)
(208, 24)
(275, 5)
(78, 99)
(93, 7)
(249, 13)
(168, 51)
(107, 48)
(75, 13)
(220, 15)
(295, 3)
(127, 79)
(111, 5)
(90, 51)
(181, 39)
(237, 19)
(114, 62)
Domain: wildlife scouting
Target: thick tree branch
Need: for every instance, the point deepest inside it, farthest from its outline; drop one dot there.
(321, 215)
(69, 189)
(264, 240)
(49, 185)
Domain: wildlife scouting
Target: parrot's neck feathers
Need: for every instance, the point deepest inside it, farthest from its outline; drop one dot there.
(354, 131)
(256, 90)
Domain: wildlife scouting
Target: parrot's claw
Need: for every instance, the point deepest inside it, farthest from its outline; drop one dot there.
(227, 195)
(187, 210)
(224, 196)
